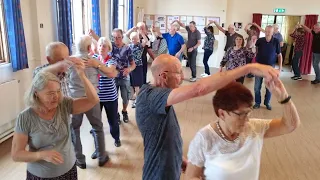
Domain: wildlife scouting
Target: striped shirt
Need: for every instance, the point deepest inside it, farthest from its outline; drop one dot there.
(107, 86)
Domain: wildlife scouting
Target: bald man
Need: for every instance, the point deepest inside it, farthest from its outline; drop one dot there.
(157, 119)
(230, 33)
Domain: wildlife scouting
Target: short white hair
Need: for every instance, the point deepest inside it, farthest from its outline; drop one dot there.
(52, 47)
(105, 41)
(133, 34)
(139, 24)
(39, 82)
(275, 26)
(176, 26)
(83, 43)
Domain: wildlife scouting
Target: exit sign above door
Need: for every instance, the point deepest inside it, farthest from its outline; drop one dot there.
(279, 10)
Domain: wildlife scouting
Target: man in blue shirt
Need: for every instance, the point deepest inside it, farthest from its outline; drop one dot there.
(157, 120)
(269, 52)
(175, 42)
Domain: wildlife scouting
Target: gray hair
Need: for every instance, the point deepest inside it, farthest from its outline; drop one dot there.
(116, 30)
(139, 24)
(270, 26)
(52, 47)
(133, 34)
(39, 82)
(105, 41)
(83, 43)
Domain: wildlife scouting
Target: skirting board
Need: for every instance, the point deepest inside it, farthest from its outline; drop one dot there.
(6, 135)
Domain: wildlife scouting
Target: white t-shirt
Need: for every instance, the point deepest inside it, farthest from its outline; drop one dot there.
(229, 160)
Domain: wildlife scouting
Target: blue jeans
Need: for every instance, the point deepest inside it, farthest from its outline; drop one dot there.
(315, 64)
(257, 93)
(206, 55)
(295, 63)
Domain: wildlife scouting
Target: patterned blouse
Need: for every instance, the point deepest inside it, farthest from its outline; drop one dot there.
(299, 41)
(137, 50)
(236, 58)
(123, 57)
(209, 40)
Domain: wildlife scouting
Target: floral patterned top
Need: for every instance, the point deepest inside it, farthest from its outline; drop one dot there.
(137, 50)
(209, 40)
(236, 58)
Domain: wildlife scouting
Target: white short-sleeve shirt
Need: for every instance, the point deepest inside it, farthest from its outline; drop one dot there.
(229, 160)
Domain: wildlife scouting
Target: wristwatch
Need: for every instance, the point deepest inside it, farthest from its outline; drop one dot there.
(99, 66)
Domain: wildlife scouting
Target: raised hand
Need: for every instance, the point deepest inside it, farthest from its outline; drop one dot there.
(211, 22)
(78, 65)
(51, 156)
(268, 72)
(277, 89)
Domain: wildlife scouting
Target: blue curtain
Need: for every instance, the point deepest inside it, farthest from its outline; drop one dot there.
(65, 23)
(15, 35)
(115, 12)
(130, 14)
(96, 17)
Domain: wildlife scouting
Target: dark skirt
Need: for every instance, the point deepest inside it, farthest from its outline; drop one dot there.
(70, 175)
(136, 77)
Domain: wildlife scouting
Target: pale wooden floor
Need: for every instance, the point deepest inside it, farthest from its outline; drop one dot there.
(290, 157)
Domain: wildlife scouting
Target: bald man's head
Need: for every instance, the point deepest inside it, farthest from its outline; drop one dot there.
(167, 71)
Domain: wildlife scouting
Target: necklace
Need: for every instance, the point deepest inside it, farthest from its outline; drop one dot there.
(223, 136)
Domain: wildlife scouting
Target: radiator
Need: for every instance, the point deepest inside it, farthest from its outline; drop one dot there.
(9, 108)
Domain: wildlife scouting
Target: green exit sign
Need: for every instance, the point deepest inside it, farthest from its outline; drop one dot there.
(279, 10)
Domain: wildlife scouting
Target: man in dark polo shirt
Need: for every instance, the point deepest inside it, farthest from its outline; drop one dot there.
(230, 34)
(269, 52)
(315, 50)
(194, 41)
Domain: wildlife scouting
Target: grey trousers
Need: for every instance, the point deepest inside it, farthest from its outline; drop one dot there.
(94, 117)
(192, 60)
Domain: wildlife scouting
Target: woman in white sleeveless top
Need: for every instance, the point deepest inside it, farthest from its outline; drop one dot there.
(230, 148)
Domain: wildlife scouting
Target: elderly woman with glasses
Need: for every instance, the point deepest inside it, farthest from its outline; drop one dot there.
(44, 126)
(230, 147)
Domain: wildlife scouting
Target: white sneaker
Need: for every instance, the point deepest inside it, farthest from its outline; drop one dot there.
(203, 74)
(206, 75)
(193, 79)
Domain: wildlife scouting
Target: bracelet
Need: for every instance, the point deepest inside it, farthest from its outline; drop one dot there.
(286, 100)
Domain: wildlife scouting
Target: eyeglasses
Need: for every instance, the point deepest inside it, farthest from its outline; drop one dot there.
(172, 72)
(243, 115)
(116, 37)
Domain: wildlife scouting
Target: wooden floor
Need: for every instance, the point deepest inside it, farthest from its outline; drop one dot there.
(291, 157)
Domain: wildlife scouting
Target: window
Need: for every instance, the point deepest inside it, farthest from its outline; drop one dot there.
(121, 15)
(271, 20)
(81, 17)
(3, 37)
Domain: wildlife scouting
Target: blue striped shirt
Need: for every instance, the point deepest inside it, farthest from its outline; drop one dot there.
(107, 86)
